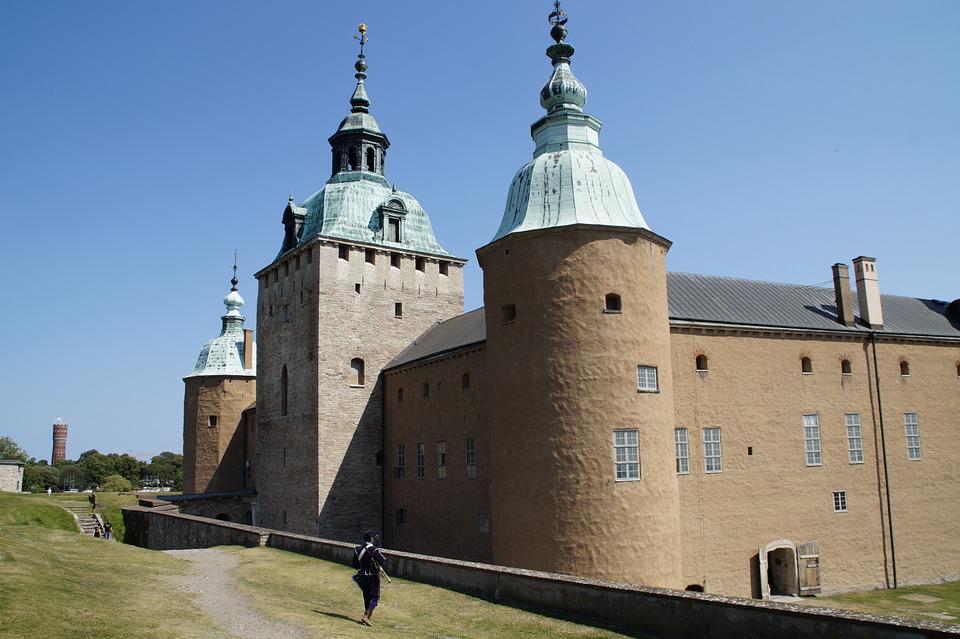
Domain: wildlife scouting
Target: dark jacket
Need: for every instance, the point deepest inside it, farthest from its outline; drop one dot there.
(364, 557)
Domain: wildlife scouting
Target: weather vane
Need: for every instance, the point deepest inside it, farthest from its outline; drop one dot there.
(362, 37)
(558, 17)
(234, 281)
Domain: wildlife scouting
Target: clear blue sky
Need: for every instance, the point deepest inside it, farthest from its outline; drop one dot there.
(142, 142)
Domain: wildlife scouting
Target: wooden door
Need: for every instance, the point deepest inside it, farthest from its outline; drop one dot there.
(808, 568)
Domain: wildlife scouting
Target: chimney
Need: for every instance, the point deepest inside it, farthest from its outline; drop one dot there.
(247, 349)
(841, 290)
(868, 291)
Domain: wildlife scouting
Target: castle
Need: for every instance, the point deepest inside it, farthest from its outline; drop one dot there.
(599, 416)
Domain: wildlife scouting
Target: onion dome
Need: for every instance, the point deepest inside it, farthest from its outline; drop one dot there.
(223, 355)
(563, 89)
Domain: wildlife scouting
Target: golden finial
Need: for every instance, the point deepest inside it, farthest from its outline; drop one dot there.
(362, 28)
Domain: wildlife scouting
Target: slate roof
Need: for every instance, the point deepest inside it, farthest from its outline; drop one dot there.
(728, 300)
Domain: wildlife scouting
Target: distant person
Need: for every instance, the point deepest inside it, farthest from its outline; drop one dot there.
(107, 529)
(49, 490)
(93, 500)
(96, 532)
(369, 562)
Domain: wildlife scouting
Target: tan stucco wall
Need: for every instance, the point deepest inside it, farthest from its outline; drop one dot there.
(442, 514)
(11, 478)
(562, 377)
(213, 457)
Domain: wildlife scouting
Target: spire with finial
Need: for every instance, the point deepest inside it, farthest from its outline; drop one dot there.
(563, 90)
(234, 281)
(360, 101)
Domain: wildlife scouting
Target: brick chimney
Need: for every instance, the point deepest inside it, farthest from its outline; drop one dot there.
(247, 349)
(841, 290)
(868, 291)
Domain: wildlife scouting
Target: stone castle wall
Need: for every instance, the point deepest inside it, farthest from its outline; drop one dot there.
(11, 477)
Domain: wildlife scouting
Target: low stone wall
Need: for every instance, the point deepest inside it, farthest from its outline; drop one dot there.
(650, 612)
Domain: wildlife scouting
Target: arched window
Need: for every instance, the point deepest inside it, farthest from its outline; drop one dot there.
(612, 303)
(352, 158)
(283, 391)
(356, 372)
(399, 394)
(371, 161)
(904, 368)
(846, 368)
(806, 365)
(702, 364)
(694, 588)
(426, 389)
(466, 380)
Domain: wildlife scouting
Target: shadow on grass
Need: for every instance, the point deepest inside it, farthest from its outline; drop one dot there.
(337, 615)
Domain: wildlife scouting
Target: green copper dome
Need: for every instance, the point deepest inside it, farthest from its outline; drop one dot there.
(223, 355)
(569, 181)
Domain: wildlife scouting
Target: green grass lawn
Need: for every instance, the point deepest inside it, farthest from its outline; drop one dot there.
(58, 583)
(892, 602)
(109, 506)
(321, 597)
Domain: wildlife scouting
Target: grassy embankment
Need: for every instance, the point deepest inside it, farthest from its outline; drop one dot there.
(58, 583)
(321, 597)
(893, 602)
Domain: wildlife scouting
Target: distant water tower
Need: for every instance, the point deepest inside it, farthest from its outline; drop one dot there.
(59, 443)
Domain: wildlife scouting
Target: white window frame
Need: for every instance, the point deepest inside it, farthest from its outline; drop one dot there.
(839, 501)
(647, 379)
(471, 457)
(626, 454)
(854, 438)
(911, 426)
(421, 460)
(441, 460)
(811, 439)
(712, 450)
(681, 438)
(401, 468)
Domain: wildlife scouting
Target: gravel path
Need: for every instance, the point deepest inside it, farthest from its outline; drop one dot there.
(217, 595)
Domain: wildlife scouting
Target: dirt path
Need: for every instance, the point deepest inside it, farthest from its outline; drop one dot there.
(217, 595)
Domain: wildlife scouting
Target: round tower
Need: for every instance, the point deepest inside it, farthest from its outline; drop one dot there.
(580, 401)
(59, 443)
(216, 445)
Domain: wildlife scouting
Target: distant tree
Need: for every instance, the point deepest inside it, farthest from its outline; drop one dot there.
(73, 476)
(167, 467)
(38, 477)
(128, 467)
(97, 466)
(10, 450)
(116, 484)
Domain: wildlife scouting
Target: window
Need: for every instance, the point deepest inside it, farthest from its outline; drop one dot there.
(356, 288)
(426, 389)
(647, 379)
(400, 470)
(297, 264)
(310, 256)
(401, 516)
(911, 424)
(626, 455)
(286, 312)
(344, 252)
(378, 460)
(286, 269)
(958, 370)
(806, 365)
(213, 421)
(471, 458)
(370, 256)
(484, 520)
(395, 260)
(421, 264)
(904, 368)
(421, 461)
(612, 303)
(702, 364)
(854, 438)
(283, 457)
(846, 368)
(712, 453)
(283, 392)
(356, 372)
(444, 268)
(466, 380)
(811, 439)
(683, 451)
(441, 460)
(398, 309)
(840, 501)
(508, 313)
(352, 159)
(399, 395)
(284, 515)
(393, 229)
(371, 162)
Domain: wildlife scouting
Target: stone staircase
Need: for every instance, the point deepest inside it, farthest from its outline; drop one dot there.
(87, 521)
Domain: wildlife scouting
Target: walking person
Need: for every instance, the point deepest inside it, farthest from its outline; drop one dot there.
(107, 529)
(369, 562)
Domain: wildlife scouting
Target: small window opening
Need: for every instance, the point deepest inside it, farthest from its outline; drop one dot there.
(702, 364)
(508, 313)
(846, 368)
(694, 588)
(356, 372)
(749, 450)
(370, 256)
(296, 266)
(806, 366)
(283, 391)
(444, 268)
(399, 395)
(356, 287)
(344, 252)
(958, 370)
(904, 368)
(393, 229)
(213, 421)
(352, 159)
(310, 256)
(284, 518)
(286, 269)
(421, 264)
(612, 303)
(395, 260)
(466, 380)
(398, 309)
(840, 501)
(426, 389)
(401, 516)
(371, 161)
(379, 459)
